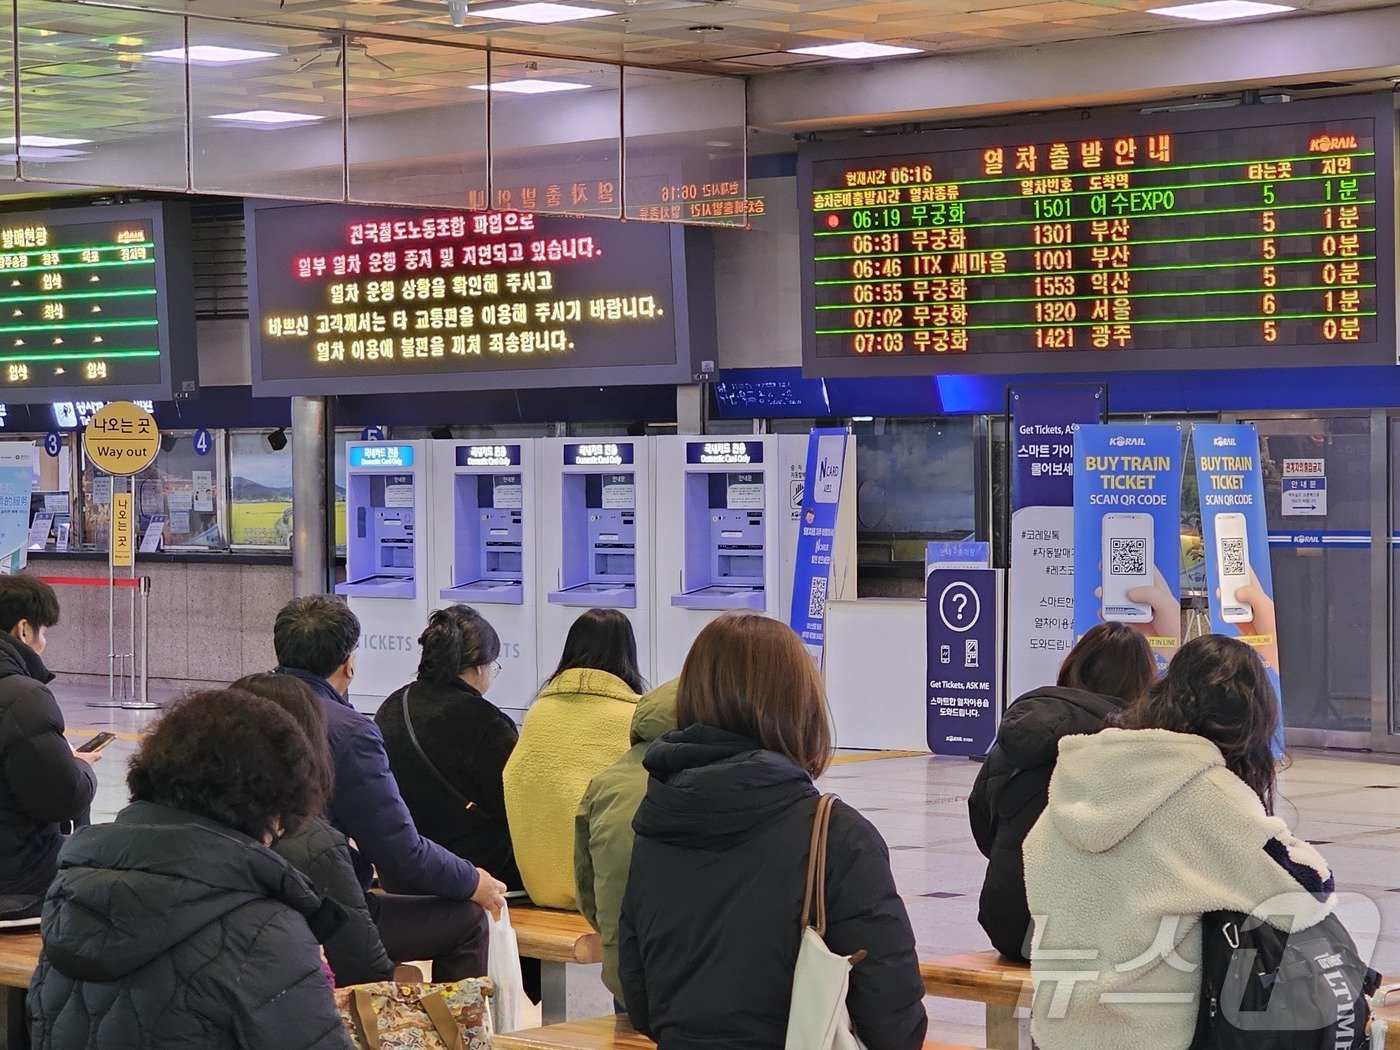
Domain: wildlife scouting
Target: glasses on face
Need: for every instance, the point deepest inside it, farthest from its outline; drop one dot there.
(496, 668)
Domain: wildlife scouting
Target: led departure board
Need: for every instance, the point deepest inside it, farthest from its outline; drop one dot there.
(365, 299)
(1249, 237)
(96, 302)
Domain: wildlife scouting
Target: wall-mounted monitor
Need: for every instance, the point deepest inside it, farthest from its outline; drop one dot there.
(346, 300)
(97, 303)
(1257, 236)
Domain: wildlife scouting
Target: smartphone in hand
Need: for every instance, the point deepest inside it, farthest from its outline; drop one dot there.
(96, 744)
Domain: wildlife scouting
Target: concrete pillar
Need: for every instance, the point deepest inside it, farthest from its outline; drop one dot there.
(310, 521)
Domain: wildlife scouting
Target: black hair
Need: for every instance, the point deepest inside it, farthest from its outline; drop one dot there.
(316, 633)
(602, 639)
(457, 638)
(1113, 660)
(296, 698)
(230, 757)
(1217, 687)
(27, 598)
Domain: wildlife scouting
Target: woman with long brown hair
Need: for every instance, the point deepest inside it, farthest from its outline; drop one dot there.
(712, 915)
(1148, 827)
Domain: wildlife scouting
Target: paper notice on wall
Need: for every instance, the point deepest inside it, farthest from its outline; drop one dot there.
(619, 493)
(56, 502)
(745, 495)
(179, 501)
(398, 496)
(102, 489)
(507, 492)
(202, 482)
(179, 523)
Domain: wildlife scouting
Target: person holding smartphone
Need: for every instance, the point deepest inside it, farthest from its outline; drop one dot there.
(43, 781)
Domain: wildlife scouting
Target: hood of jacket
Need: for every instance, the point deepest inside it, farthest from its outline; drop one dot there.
(1106, 785)
(1030, 732)
(129, 891)
(16, 658)
(710, 789)
(656, 713)
(588, 683)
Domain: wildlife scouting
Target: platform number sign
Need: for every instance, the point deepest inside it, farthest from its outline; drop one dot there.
(203, 442)
(53, 443)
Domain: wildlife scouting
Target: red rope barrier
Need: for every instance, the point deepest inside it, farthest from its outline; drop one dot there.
(89, 581)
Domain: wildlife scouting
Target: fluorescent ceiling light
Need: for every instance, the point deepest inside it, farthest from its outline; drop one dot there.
(855, 49)
(1219, 10)
(43, 141)
(530, 87)
(539, 14)
(209, 55)
(267, 118)
(43, 153)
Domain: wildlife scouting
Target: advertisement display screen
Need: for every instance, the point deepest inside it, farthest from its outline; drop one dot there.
(1240, 238)
(96, 302)
(368, 300)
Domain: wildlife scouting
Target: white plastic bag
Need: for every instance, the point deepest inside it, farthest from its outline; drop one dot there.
(503, 967)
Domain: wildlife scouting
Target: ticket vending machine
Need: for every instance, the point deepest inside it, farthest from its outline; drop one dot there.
(595, 538)
(726, 533)
(485, 518)
(385, 559)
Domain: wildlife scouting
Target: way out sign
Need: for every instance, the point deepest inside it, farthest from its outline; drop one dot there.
(122, 439)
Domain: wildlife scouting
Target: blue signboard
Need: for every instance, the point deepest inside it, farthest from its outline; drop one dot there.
(372, 434)
(1127, 531)
(964, 671)
(1235, 535)
(1043, 422)
(598, 454)
(381, 456)
(203, 442)
(488, 455)
(724, 453)
(816, 536)
(53, 443)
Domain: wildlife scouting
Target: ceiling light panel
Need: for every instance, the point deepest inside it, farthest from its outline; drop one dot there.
(530, 87)
(1219, 10)
(210, 55)
(267, 118)
(856, 49)
(538, 14)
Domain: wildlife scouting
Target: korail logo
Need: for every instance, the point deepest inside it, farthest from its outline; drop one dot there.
(1225, 442)
(1120, 441)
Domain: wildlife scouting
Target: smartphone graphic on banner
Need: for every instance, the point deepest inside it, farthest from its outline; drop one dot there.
(1232, 562)
(1128, 552)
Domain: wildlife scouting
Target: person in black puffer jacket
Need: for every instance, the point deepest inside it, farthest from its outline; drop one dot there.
(175, 926)
(712, 914)
(1110, 668)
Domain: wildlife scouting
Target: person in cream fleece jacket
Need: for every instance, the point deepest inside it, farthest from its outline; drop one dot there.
(1147, 828)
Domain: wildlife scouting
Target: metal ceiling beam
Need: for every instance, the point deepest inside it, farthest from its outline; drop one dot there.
(1354, 47)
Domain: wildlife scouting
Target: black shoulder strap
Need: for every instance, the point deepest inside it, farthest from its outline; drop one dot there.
(446, 784)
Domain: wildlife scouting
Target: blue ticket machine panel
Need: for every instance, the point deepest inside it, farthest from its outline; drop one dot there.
(600, 536)
(382, 505)
(725, 540)
(489, 538)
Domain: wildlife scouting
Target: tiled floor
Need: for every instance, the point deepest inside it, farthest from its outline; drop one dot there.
(1349, 805)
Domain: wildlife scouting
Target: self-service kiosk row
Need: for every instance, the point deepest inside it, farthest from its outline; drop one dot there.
(672, 531)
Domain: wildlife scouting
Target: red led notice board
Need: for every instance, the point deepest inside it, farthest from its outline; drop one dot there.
(1256, 236)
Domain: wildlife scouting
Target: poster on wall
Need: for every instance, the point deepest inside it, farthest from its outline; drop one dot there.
(16, 482)
(1235, 534)
(1127, 531)
(816, 536)
(1040, 620)
(963, 659)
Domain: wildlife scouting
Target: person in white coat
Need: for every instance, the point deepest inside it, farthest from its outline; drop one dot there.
(1149, 826)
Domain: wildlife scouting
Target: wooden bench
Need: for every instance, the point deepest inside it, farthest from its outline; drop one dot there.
(601, 1033)
(986, 977)
(557, 939)
(19, 955)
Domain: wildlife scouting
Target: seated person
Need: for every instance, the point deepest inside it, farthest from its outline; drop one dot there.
(43, 783)
(712, 914)
(175, 925)
(1110, 668)
(354, 952)
(1163, 818)
(578, 726)
(435, 904)
(448, 744)
(603, 827)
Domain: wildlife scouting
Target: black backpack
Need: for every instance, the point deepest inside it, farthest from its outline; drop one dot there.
(1263, 989)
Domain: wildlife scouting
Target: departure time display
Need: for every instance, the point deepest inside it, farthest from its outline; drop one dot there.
(84, 306)
(1254, 236)
(354, 299)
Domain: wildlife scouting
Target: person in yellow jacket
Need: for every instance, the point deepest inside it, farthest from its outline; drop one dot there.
(578, 726)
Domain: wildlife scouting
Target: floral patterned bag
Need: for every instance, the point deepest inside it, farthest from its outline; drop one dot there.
(389, 1016)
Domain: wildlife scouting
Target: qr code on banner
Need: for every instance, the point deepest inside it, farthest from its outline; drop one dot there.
(1127, 557)
(816, 599)
(1232, 556)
